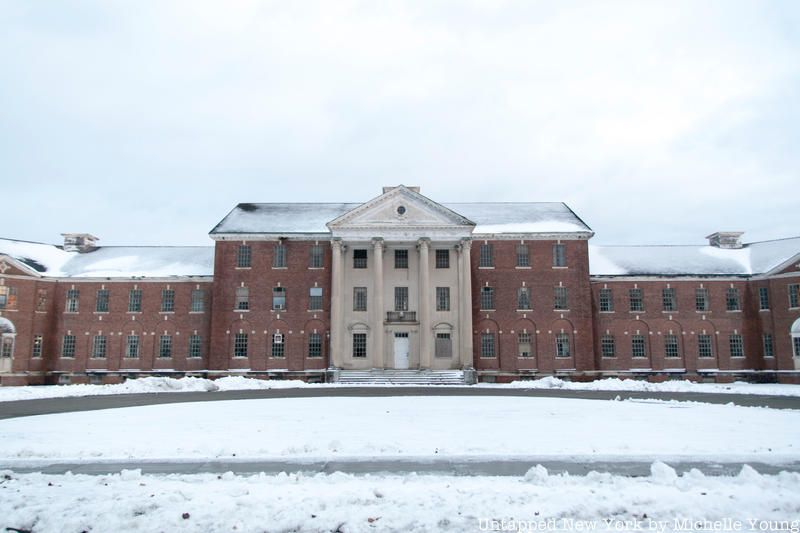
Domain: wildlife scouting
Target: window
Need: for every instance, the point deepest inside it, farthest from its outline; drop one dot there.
(559, 255)
(132, 346)
(637, 346)
(401, 298)
(315, 257)
(486, 256)
(794, 295)
(523, 259)
(763, 298)
(73, 297)
(101, 303)
(524, 345)
(442, 298)
(165, 346)
(359, 259)
(240, 345)
(198, 301)
(487, 298)
(278, 346)
(359, 298)
(560, 303)
(523, 299)
(7, 347)
(671, 346)
(401, 258)
(769, 348)
(562, 345)
(314, 345)
(701, 299)
(315, 299)
(99, 347)
(442, 258)
(606, 300)
(41, 300)
(168, 300)
(796, 345)
(195, 346)
(732, 299)
(607, 346)
(668, 299)
(487, 345)
(279, 256)
(242, 299)
(8, 297)
(279, 298)
(443, 346)
(704, 346)
(37, 346)
(359, 345)
(244, 256)
(135, 301)
(636, 300)
(737, 345)
(68, 346)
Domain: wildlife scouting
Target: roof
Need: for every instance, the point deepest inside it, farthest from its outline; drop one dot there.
(112, 261)
(288, 218)
(752, 258)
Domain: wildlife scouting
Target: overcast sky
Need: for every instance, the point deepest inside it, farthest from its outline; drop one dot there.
(146, 122)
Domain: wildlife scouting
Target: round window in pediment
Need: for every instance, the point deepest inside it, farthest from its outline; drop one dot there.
(401, 210)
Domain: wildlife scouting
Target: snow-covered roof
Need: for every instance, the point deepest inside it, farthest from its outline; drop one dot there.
(752, 258)
(112, 261)
(515, 217)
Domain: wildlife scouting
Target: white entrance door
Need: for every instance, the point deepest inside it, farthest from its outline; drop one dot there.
(401, 350)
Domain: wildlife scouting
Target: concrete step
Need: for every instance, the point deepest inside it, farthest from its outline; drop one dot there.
(401, 377)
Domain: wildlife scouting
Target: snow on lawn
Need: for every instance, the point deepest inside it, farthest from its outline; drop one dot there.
(410, 427)
(192, 384)
(663, 501)
(678, 385)
(146, 385)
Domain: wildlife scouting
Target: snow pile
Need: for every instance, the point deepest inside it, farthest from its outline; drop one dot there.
(413, 427)
(130, 501)
(145, 385)
(637, 385)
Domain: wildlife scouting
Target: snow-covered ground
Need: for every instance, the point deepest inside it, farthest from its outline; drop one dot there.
(408, 427)
(191, 384)
(663, 501)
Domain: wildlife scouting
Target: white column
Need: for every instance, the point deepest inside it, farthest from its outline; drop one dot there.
(378, 343)
(338, 336)
(425, 329)
(465, 303)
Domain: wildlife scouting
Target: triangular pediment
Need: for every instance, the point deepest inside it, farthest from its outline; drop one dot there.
(400, 207)
(10, 266)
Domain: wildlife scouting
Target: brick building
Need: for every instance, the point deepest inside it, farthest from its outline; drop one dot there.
(495, 291)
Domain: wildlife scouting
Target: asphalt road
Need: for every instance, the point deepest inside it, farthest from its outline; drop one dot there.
(451, 466)
(92, 403)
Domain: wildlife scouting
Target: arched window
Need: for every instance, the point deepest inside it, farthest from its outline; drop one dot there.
(796, 337)
(7, 335)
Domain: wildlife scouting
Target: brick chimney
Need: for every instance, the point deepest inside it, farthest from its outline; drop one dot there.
(79, 242)
(726, 239)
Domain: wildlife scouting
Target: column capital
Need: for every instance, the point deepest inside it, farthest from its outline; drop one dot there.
(464, 244)
(423, 242)
(377, 242)
(337, 243)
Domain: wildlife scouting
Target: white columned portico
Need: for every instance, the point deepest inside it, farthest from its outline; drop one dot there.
(465, 302)
(425, 329)
(337, 341)
(378, 343)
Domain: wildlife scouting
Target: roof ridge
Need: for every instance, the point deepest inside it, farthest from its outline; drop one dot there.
(29, 242)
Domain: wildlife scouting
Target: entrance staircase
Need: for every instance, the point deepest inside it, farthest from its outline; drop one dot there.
(401, 377)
